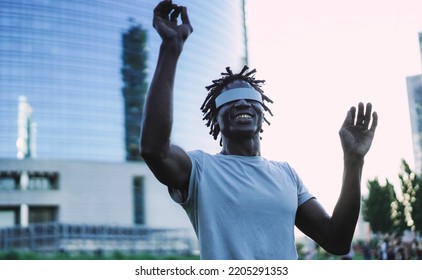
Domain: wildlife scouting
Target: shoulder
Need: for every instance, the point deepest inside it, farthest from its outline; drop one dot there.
(286, 169)
(196, 153)
(199, 157)
(283, 166)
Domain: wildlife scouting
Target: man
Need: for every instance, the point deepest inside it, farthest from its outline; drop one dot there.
(241, 205)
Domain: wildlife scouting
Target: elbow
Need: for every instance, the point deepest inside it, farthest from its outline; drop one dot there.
(148, 149)
(145, 149)
(151, 153)
(144, 154)
(340, 251)
(340, 248)
(149, 157)
(153, 146)
(147, 154)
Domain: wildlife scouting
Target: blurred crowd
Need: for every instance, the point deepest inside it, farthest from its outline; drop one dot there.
(386, 247)
(392, 247)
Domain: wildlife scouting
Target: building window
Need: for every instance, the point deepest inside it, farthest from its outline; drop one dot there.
(9, 181)
(43, 181)
(9, 216)
(139, 200)
(28, 180)
(42, 214)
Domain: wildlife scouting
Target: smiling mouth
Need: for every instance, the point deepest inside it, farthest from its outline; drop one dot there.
(243, 117)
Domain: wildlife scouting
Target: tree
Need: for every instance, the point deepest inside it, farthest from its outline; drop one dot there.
(134, 58)
(417, 208)
(412, 196)
(398, 215)
(377, 206)
(387, 212)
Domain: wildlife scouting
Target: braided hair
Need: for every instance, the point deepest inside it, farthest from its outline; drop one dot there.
(209, 108)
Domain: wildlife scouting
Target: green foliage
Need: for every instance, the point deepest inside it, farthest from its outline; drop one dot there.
(412, 196)
(408, 181)
(300, 247)
(387, 212)
(117, 255)
(377, 210)
(416, 205)
(398, 216)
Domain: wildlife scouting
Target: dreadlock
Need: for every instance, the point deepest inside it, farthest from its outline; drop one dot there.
(209, 109)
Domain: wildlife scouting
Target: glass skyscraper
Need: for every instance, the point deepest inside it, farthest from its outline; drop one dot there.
(64, 58)
(414, 91)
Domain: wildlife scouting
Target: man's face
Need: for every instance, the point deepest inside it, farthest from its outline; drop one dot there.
(240, 118)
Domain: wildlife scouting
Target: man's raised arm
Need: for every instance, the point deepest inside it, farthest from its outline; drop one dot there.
(169, 163)
(335, 233)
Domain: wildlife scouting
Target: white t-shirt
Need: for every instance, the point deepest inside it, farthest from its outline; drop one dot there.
(243, 207)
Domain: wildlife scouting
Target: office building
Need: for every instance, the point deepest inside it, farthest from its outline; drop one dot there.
(65, 57)
(414, 91)
(69, 156)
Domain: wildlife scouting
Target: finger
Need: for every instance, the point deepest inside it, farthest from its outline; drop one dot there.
(175, 14)
(185, 17)
(352, 115)
(374, 121)
(158, 10)
(348, 121)
(360, 118)
(161, 12)
(163, 9)
(367, 117)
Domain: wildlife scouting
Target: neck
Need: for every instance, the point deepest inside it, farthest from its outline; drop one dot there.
(241, 147)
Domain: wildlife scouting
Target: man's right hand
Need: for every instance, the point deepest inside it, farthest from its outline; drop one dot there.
(165, 22)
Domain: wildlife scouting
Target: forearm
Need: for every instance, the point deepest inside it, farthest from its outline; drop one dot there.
(346, 212)
(158, 110)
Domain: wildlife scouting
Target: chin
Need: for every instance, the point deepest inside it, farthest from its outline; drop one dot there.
(242, 133)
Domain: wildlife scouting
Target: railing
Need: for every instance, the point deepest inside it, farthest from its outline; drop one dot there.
(58, 237)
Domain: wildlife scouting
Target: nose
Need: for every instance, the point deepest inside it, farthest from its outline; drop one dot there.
(242, 103)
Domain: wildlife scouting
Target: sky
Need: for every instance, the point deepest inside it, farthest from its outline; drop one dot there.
(319, 58)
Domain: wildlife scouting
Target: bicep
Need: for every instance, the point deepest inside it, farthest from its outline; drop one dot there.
(172, 169)
(312, 220)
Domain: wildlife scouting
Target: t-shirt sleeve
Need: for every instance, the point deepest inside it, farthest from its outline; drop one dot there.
(303, 193)
(185, 199)
(188, 200)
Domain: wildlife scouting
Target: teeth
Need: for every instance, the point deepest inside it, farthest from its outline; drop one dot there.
(244, 116)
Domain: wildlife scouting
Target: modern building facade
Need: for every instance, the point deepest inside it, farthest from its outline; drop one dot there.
(75, 192)
(83, 206)
(65, 57)
(414, 90)
(66, 160)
